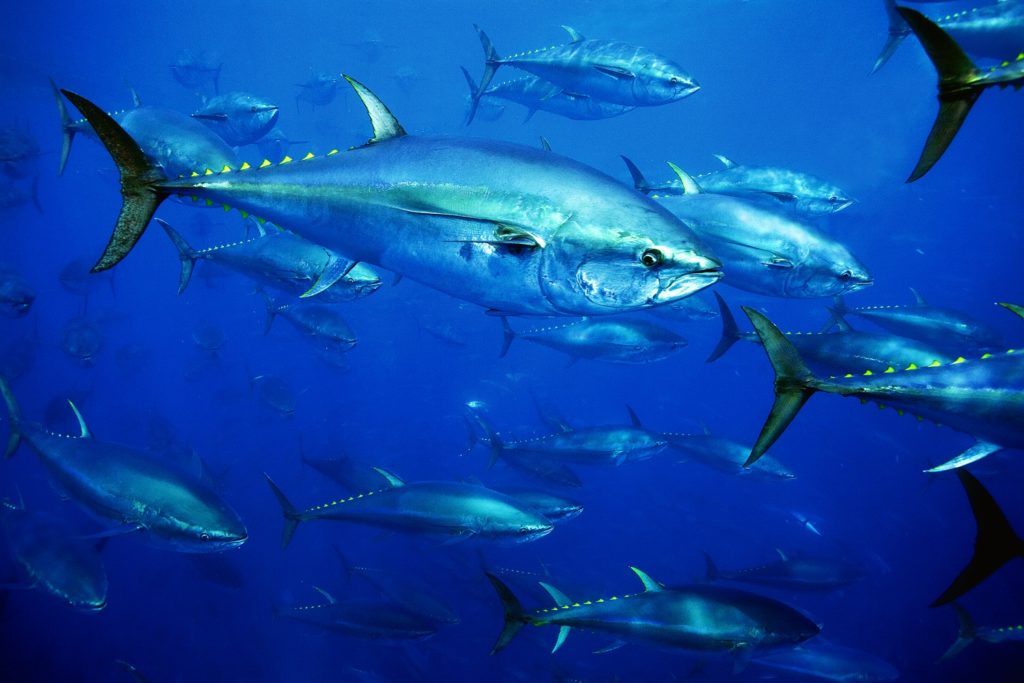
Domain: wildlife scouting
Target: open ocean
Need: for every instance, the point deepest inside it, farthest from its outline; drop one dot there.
(782, 84)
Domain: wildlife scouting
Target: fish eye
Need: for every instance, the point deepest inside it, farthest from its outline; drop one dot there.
(845, 275)
(652, 258)
(204, 537)
(833, 200)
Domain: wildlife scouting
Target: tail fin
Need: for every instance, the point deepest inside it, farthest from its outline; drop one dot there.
(509, 336)
(898, 30)
(14, 415)
(966, 633)
(271, 313)
(730, 330)
(141, 192)
(491, 63)
(346, 566)
(67, 129)
(995, 543)
(957, 94)
(838, 310)
(473, 99)
(292, 517)
(514, 616)
(639, 181)
(497, 447)
(711, 572)
(792, 383)
(186, 253)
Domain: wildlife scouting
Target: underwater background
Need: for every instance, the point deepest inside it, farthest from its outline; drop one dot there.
(782, 83)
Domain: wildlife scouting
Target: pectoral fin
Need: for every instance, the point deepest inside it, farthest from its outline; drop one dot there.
(976, 452)
(211, 117)
(336, 269)
(616, 72)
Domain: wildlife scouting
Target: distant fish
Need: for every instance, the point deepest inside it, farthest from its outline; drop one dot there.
(604, 339)
(801, 573)
(361, 618)
(16, 294)
(240, 118)
(554, 507)
(792, 190)
(828, 662)
(611, 71)
(536, 94)
(726, 455)
(136, 492)
(960, 81)
(197, 70)
(321, 324)
(208, 335)
(690, 309)
(19, 152)
(320, 90)
(487, 109)
(76, 278)
(274, 392)
(968, 632)
(54, 560)
(81, 340)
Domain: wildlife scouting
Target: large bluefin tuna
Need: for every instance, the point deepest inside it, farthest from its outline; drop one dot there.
(764, 251)
(512, 228)
(240, 118)
(702, 618)
(128, 488)
(615, 72)
(982, 397)
(536, 94)
(285, 261)
(614, 341)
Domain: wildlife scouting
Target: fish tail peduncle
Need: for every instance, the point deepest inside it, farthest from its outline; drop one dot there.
(730, 330)
(794, 383)
(491, 63)
(14, 415)
(292, 516)
(957, 91)
(966, 633)
(141, 182)
(898, 30)
(186, 254)
(514, 615)
(995, 542)
(509, 335)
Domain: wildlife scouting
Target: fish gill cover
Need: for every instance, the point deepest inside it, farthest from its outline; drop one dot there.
(411, 194)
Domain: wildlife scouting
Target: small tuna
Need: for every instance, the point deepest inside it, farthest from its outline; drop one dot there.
(362, 618)
(829, 662)
(197, 70)
(16, 294)
(792, 573)
(240, 118)
(613, 341)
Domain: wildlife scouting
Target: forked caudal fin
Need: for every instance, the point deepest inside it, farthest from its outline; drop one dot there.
(141, 192)
(995, 542)
(730, 330)
(966, 633)
(292, 517)
(14, 418)
(185, 252)
(67, 129)
(793, 383)
(508, 336)
(491, 63)
(898, 30)
(514, 616)
(957, 92)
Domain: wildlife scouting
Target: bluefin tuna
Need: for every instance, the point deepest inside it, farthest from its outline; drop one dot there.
(614, 341)
(129, 489)
(961, 82)
(536, 94)
(285, 261)
(994, 29)
(82, 340)
(170, 140)
(726, 455)
(512, 228)
(553, 507)
(792, 190)
(404, 589)
(606, 70)
(16, 294)
(320, 90)
(53, 559)
(968, 632)
(321, 324)
(829, 662)
(700, 618)
(361, 618)
(764, 251)
(982, 397)
(197, 70)
(239, 118)
(800, 573)
(450, 510)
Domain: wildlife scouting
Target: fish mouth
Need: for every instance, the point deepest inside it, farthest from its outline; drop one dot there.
(684, 285)
(535, 534)
(839, 207)
(859, 284)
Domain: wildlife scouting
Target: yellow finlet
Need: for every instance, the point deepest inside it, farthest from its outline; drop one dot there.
(848, 375)
(986, 356)
(868, 373)
(287, 160)
(889, 370)
(959, 359)
(193, 175)
(209, 202)
(245, 214)
(911, 367)
(332, 152)
(266, 162)
(245, 166)
(208, 172)
(226, 169)
(935, 364)
(308, 156)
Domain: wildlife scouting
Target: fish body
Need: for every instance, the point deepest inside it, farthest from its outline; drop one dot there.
(67, 568)
(275, 393)
(449, 510)
(75, 278)
(699, 618)
(792, 573)
(239, 118)
(319, 90)
(197, 70)
(537, 94)
(82, 340)
(611, 340)
(726, 455)
(320, 323)
(512, 228)
(285, 261)
(552, 506)
(830, 663)
(19, 152)
(363, 619)
(769, 252)
(136, 492)
(16, 294)
(690, 309)
(593, 446)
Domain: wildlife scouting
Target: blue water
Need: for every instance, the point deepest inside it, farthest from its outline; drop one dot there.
(783, 84)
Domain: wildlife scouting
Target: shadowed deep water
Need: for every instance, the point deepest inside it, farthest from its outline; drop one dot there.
(783, 84)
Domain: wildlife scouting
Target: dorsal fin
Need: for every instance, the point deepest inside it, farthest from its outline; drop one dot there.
(650, 585)
(782, 555)
(690, 185)
(86, 434)
(726, 161)
(918, 298)
(393, 481)
(558, 596)
(633, 417)
(136, 100)
(574, 35)
(385, 125)
(327, 596)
